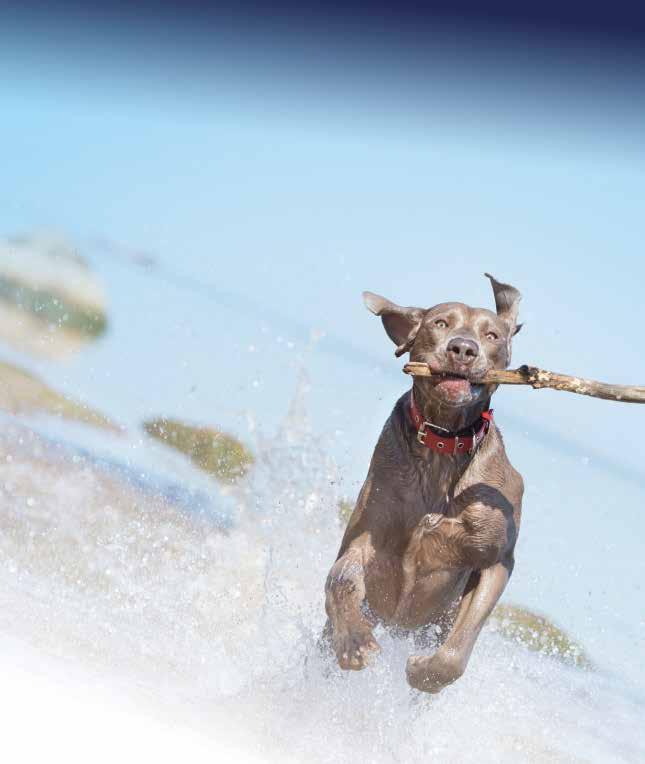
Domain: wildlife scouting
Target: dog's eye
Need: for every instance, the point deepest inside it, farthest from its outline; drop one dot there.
(441, 324)
(491, 336)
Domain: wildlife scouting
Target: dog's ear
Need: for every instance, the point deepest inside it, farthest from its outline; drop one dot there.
(401, 324)
(507, 302)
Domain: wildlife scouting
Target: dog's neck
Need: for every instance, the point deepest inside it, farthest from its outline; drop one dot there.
(451, 418)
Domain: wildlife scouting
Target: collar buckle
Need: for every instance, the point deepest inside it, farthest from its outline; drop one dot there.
(421, 432)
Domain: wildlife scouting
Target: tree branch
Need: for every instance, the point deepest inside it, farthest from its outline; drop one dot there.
(539, 378)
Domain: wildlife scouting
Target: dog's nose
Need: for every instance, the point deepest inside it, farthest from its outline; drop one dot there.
(465, 351)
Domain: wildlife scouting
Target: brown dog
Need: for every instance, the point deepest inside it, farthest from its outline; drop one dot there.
(432, 535)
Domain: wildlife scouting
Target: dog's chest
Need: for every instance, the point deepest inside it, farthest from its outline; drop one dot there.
(431, 579)
(433, 486)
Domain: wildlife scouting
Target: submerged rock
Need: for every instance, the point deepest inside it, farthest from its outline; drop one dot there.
(215, 452)
(24, 393)
(50, 301)
(537, 633)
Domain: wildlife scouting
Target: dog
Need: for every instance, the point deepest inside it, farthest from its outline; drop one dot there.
(431, 539)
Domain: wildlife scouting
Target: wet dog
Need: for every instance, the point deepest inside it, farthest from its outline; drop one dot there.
(432, 535)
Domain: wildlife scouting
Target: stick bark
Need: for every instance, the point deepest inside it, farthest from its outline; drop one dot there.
(539, 378)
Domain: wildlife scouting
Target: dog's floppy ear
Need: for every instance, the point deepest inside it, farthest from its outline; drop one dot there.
(401, 324)
(507, 302)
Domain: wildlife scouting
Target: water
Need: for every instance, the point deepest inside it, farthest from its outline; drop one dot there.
(223, 624)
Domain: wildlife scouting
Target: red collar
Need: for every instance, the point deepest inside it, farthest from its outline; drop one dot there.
(449, 444)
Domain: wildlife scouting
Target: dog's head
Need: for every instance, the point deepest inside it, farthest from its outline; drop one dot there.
(458, 342)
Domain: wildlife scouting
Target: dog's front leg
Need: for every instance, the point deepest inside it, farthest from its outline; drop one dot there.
(431, 674)
(351, 632)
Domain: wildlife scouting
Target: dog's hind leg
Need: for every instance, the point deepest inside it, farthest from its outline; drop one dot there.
(432, 673)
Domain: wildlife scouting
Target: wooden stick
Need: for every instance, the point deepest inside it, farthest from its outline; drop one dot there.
(538, 378)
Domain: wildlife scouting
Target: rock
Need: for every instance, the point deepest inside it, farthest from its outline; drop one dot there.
(51, 303)
(215, 452)
(24, 393)
(537, 633)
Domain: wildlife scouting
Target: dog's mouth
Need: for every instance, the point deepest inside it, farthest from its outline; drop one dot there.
(456, 389)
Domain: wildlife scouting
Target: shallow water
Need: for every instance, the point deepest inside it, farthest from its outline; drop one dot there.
(224, 624)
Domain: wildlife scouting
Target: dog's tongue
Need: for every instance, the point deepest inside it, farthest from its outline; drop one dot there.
(454, 388)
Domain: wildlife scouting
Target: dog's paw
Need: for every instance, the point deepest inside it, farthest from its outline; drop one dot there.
(355, 649)
(432, 674)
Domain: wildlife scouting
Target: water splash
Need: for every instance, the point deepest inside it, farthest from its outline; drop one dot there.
(95, 569)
